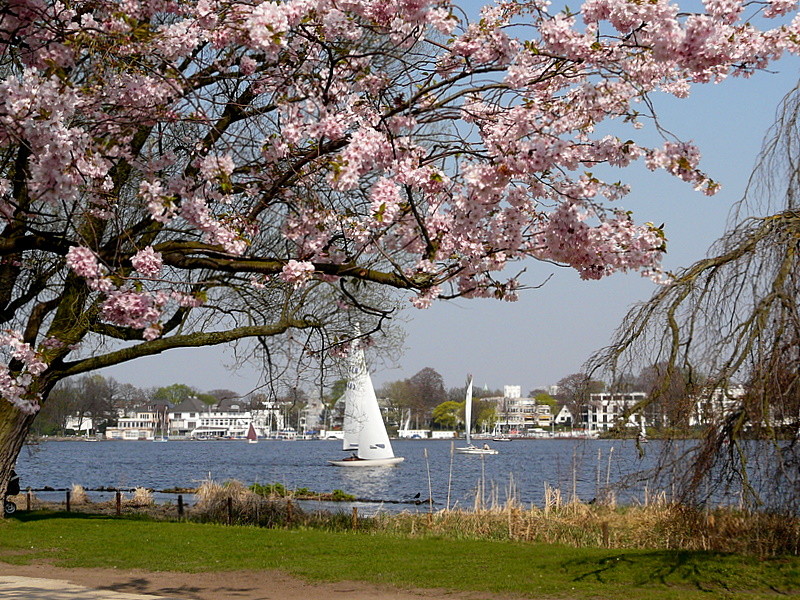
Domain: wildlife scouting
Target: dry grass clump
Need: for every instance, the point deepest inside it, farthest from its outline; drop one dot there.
(142, 498)
(78, 495)
(233, 503)
(655, 525)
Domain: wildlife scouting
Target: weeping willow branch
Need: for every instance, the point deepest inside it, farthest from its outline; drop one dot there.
(731, 321)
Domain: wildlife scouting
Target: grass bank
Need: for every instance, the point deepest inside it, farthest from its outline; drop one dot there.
(426, 559)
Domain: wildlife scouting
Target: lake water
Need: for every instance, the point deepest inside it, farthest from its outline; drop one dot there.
(579, 466)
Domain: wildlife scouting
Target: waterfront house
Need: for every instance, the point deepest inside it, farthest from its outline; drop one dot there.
(604, 411)
(142, 423)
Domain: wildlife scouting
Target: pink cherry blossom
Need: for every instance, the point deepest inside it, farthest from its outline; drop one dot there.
(147, 261)
(83, 261)
(394, 141)
(297, 272)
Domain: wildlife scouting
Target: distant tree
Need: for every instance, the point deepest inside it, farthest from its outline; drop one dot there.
(175, 394)
(484, 415)
(220, 395)
(398, 395)
(479, 392)
(670, 394)
(546, 399)
(337, 390)
(426, 390)
(448, 414)
(96, 400)
(129, 396)
(62, 405)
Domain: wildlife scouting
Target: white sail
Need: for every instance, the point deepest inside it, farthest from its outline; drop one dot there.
(353, 409)
(373, 441)
(364, 430)
(469, 448)
(468, 409)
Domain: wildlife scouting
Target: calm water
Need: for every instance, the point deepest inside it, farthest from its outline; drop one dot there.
(579, 465)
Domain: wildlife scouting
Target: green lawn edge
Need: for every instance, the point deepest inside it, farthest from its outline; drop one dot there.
(517, 569)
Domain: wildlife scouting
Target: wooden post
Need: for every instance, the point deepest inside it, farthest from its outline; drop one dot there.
(28, 500)
(119, 502)
(180, 505)
(355, 517)
(288, 512)
(230, 510)
(67, 500)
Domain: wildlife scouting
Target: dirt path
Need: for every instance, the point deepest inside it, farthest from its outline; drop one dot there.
(230, 585)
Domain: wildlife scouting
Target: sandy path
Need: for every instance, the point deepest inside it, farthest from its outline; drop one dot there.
(230, 585)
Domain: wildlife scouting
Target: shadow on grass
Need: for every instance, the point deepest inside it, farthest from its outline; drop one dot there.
(703, 571)
(49, 515)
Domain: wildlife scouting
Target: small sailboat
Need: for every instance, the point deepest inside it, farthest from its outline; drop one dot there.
(252, 436)
(364, 431)
(470, 448)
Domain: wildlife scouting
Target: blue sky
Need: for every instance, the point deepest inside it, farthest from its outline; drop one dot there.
(551, 331)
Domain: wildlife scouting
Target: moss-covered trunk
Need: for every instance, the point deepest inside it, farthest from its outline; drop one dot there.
(14, 426)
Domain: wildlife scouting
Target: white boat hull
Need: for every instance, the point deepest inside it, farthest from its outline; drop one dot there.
(367, 462)
(475, 450)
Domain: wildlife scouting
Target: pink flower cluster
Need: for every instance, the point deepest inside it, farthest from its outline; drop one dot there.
(134, 309)
(297, 272)
(147, 261)
(15, 387)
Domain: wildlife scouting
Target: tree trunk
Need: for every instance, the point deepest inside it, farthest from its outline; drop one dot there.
(14, 426)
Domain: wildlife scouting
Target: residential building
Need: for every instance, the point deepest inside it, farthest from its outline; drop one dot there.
(604, 411)
(519, 416)
(720, 403)
(564, 417)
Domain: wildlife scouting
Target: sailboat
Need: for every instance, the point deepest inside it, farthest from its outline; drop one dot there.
(252, 436)
(364, 431)
(470, 448)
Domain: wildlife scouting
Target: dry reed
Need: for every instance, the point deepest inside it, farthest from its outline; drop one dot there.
(655, 527)
(142, 497)
(78, 495)
(654, 523)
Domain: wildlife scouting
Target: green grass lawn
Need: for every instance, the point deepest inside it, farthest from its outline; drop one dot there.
(530, 570)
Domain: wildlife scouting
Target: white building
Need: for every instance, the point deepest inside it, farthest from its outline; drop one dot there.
(721, 403)
(564, 416)
(143, 423)
(604, 411)
(519, 416)
(193, 418)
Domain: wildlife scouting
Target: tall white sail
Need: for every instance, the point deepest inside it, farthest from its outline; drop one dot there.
(373, 440)
(469, 448)
(364, 430)
(353, 405)
(468, 409)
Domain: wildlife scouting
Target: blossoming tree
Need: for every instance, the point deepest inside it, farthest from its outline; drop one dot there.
(178, 173)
